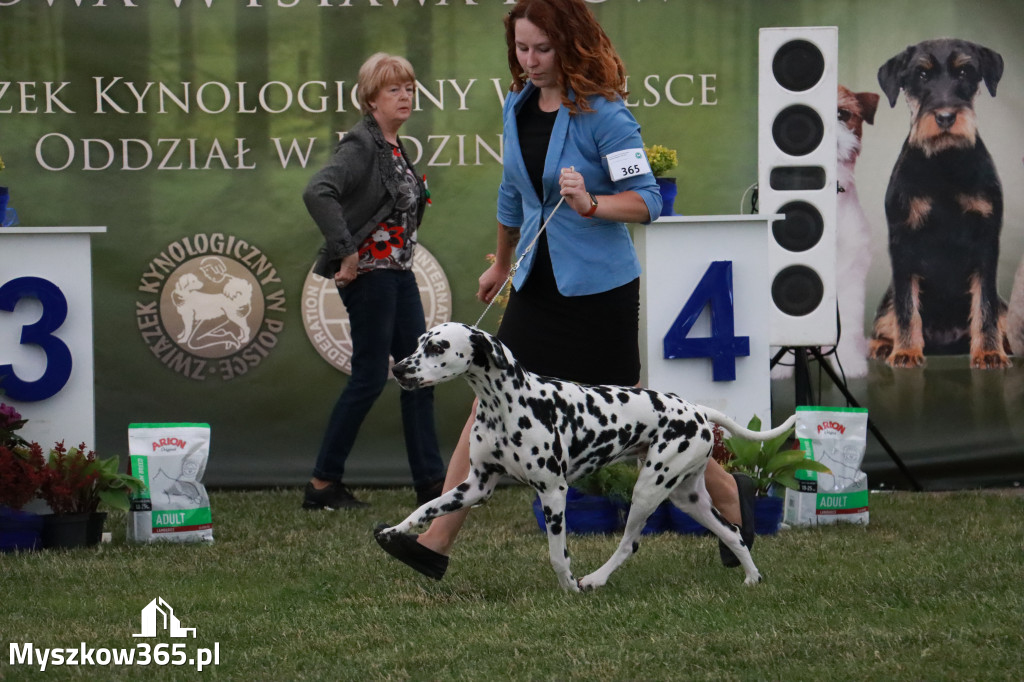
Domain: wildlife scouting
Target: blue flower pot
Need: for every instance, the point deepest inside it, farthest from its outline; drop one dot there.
(4, 198)
(767, 515)
(20, 531)
(668, 189)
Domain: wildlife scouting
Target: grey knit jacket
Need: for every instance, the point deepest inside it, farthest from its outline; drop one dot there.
(355, 191)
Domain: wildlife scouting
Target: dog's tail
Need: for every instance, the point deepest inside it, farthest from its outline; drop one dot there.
(737, 430)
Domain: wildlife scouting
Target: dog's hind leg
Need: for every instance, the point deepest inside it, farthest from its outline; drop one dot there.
(553, 503)
(648, 493)
(696, 502)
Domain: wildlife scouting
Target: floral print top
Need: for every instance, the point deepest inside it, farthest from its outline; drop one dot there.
(391, 245)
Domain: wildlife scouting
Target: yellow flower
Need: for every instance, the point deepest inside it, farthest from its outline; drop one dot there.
(662, 159)
(2, 163)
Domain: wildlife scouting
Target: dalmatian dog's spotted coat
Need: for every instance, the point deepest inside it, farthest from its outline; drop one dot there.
(547, 433)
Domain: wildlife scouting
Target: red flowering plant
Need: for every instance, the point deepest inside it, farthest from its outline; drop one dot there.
(22, 470)
(10, 421)
(70, 479)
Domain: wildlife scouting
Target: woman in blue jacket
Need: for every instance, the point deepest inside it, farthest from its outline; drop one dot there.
(573, 312)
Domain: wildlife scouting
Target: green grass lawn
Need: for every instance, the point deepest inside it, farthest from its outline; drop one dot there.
(932, 589)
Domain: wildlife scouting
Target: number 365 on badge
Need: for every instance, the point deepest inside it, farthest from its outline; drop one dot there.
(628, 163)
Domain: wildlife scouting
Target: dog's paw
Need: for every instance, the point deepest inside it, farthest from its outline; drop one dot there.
(569, 583)
(590, 583)
(990, 359)
(755, 579)
(879, 350)
(906, 359)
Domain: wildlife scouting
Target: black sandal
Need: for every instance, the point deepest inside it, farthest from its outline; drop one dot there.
(403, 546)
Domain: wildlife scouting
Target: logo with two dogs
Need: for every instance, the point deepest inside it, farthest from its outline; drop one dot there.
(212, 306)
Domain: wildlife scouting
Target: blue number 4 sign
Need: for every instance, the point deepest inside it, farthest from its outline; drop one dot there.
(723, 346)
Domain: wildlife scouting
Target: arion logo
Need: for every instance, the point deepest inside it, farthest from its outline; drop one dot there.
(158, 615)
(326, 320)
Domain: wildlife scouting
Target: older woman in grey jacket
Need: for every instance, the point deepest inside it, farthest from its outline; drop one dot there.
(368, 202)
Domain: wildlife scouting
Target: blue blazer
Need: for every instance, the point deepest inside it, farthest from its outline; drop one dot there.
(588, 255)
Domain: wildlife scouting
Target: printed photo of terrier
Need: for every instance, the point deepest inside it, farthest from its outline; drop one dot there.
(944, 209)
(853, 232)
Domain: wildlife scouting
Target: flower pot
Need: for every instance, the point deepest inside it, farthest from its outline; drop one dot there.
(65, 531)
(94, 528)
(767, 515)
(683, 523)
(19, 530)
(668, 189)
(4, 197)
(584, 514)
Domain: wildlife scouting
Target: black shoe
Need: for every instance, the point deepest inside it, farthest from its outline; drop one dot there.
(745, 489)
(403, 546)
(428, 492)
(334, 496)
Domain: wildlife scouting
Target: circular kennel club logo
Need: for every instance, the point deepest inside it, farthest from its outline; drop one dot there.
(326, 320)
(214, 306)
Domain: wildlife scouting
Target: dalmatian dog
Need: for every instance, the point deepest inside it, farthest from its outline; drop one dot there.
(547, 433)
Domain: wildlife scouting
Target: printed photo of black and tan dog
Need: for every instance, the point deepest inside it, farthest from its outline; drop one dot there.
(944, 209)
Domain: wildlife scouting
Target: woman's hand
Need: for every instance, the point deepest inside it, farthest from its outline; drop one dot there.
(348, 270)
(574, 189)
(491, 282)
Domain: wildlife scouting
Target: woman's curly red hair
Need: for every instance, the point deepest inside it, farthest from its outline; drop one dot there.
(589, 63)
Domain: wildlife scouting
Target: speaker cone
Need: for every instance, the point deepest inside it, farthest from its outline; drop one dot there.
(801, 229)
(798, 65)
(798, 130)
(797, 290)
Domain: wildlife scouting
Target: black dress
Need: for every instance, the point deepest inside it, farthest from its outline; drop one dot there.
(591, 339)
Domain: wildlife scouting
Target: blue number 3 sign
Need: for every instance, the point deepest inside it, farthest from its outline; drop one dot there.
(39, 333)
(723, 346)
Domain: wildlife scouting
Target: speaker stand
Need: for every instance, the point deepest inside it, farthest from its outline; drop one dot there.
(805, 395)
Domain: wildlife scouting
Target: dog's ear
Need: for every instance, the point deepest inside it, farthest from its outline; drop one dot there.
(991, 68)
(868, 104)
(481, 349)
(890, 76)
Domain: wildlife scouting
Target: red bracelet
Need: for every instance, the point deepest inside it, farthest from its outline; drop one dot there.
(593, 206)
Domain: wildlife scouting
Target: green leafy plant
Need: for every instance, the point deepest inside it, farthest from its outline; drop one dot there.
(766, 462)
(111, 487)
(614, 481)
(662, 159)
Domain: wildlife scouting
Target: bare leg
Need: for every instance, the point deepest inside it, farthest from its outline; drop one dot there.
(724, 495)
(441, 534)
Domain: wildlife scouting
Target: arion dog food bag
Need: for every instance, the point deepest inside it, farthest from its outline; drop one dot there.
(836, 437)
(170, 459)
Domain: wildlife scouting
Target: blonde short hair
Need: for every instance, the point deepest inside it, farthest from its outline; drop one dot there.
(379, 71)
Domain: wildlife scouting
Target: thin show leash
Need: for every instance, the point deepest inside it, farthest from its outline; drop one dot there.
(515, 266)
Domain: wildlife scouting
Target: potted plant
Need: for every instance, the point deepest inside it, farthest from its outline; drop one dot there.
(111, 489)
(21, 474)
(69, 479)
(4, 197)
(771, 468)
(662, 160)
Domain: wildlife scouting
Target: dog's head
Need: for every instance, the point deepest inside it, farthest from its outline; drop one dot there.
(940, 80)
(450, 350)
(854, 110)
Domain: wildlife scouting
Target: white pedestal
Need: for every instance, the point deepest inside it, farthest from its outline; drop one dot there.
(676, 252)
(46, 347)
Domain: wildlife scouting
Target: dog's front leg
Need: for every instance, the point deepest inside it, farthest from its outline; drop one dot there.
(908, 343)
(466, 494)
(553, 503)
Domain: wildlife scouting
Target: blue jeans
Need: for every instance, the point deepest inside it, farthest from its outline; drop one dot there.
(386, 317)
